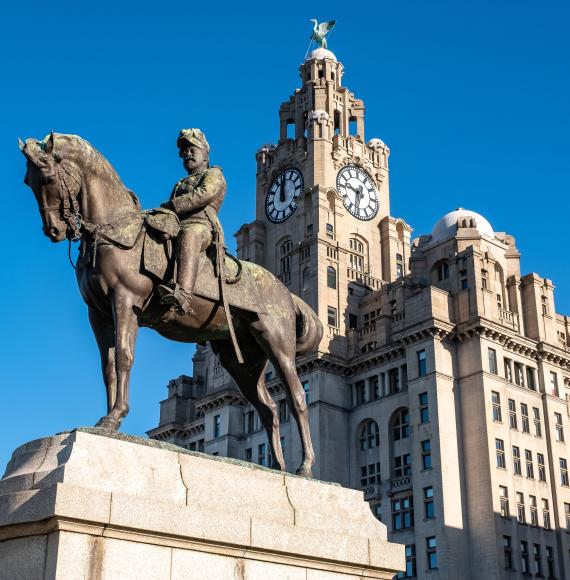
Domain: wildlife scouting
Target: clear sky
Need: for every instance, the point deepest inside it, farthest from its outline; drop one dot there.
(472, 98)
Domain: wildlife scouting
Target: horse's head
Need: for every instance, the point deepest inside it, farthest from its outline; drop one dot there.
(44, 178)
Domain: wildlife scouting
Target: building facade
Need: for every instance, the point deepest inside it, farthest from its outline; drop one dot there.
(440, 387)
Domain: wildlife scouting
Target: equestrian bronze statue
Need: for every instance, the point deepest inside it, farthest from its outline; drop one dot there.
(129, 276)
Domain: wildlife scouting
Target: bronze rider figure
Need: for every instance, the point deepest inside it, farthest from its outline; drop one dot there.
(196, 200)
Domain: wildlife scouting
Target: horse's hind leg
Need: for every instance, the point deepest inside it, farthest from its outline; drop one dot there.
(104, 331)
(251, 382)
(276, 336)
(287, 370)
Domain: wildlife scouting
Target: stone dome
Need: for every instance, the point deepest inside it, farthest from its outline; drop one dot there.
(320, 53)
(447, 225)
(376, 143)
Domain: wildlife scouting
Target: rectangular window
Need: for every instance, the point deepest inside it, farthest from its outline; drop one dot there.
(529, 464)
(537, 422)
(533, 510)
(508, 369)
(524, 417)
(504, 499)
(550, 562)
(262, 454)
(521, 515)
(402, 513)
(360, 387)
(332, 317)
(283, 411)
(545, 514)
(541, 468)
(428, 503)
(567, 515)
(530, 380)
(370, 474)
(330, 230)
(424, 409)
(248, 422)
(563, 472)
(493, 361)
(512, 414)
(374, 387)
(559, 427)
(500, 452)
(496, 402)
(537, 559)
(517, 460)
(422, 363)
(525, 568)
(553, 384)
(217, 426)
(519, 374)
(508, 552)
(410, 572)
(248, 455)
(426, 454)
(394, 380)
(201, 445)
(431, 552)
(403, 465)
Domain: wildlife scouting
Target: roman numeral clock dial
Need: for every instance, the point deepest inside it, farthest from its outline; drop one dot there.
(281, 200)
(358, 192)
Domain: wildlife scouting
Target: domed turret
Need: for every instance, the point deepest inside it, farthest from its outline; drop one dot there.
(320, 53)
(464, 218)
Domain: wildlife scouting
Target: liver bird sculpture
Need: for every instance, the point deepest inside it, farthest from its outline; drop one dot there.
(321, 30)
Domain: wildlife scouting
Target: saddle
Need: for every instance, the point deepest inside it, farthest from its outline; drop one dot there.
(159, 227)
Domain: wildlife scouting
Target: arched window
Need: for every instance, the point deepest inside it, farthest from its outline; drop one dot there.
(401, 425)
(369, 435)
(357, 255)
(440, 271)
(331, 277)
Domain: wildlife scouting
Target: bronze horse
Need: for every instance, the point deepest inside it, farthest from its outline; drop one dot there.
(78, 191)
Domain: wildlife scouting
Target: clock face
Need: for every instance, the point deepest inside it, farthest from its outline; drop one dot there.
(358, 192)
(281, 200)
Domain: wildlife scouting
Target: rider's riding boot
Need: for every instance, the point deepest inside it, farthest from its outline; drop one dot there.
(177, 298)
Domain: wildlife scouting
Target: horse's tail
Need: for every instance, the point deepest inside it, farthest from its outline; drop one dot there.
(309, 327)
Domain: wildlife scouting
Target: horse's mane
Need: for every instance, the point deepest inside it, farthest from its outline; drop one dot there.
(75, 148)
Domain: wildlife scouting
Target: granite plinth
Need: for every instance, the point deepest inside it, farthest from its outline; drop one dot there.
(98, 505)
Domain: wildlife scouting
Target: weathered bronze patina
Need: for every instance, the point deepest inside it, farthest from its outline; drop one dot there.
(126, 254)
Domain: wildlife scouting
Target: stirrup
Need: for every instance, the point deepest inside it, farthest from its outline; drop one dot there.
(177, 298)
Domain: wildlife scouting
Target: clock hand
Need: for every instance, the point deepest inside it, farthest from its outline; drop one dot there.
(282, 190)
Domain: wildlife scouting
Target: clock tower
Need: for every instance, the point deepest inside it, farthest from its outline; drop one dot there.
(323, 222)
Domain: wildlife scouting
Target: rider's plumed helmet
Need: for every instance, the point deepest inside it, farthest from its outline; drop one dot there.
(194, 137)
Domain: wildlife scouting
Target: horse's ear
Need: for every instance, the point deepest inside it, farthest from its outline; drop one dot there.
(49, 148)
(21, 145)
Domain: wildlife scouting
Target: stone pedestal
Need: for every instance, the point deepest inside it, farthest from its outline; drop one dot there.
(96, 505)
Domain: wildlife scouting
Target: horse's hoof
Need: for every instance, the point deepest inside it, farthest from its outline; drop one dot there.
(305, 471)
(108, 423)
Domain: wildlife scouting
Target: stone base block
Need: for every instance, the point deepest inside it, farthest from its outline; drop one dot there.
(96, 505)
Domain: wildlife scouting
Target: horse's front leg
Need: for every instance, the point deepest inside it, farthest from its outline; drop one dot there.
(126, 329)
(104, 330)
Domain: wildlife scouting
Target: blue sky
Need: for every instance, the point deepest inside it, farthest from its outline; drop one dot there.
(472, 98)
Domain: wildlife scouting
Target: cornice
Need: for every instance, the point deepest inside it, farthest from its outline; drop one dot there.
(221, 398)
